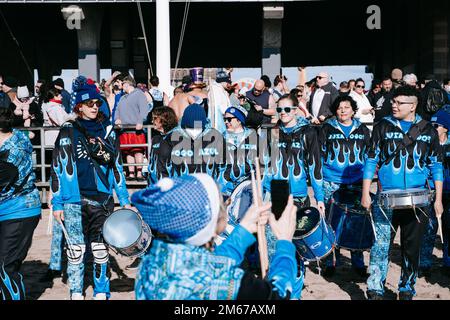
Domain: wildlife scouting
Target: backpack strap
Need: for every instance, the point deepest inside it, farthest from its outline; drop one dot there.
(408, 138)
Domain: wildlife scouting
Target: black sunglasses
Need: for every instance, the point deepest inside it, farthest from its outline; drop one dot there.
(436, 125)
(359, 86)
(320, 78)
(285, 109)
(228, 119)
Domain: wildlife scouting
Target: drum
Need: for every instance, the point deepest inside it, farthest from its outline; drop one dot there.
(313, 238)
(405, 198)
(350, 221)
(240, 201)
(125, 231)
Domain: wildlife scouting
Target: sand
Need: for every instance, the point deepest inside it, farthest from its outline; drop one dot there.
(345, 285)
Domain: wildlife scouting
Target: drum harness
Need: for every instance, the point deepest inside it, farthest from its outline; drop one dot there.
(408, 138)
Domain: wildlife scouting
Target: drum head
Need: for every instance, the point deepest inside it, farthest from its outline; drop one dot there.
(307, 220)
(241, 201)
(122, 228)
(349, 199)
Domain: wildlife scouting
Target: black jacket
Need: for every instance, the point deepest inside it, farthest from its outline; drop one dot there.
(331, 93)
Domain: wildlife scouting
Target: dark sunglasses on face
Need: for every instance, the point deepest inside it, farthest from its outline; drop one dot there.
(228, 119)
(257, 90)
(320, 78)
(285, 109)
(92, 103)
(436, 125)
(360, 86)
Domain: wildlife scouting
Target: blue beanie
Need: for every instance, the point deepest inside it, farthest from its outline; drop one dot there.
(193, 113)
(442, 117)
(184, 208)
(86, 92)
(239, 112)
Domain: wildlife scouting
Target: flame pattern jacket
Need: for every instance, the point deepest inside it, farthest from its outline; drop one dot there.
(411, 166)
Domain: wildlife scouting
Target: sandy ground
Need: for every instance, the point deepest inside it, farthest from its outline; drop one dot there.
(345, 285)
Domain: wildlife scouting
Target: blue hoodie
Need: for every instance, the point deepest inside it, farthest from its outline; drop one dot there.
(27, 202)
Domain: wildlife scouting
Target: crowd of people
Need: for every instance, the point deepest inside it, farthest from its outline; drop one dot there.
(205, 144)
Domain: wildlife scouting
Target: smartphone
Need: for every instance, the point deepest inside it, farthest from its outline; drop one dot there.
(279, 190)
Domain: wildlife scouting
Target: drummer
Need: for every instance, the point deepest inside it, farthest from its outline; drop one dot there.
(344, 141)
(297, 157)
(82, 184)
(405, 170)
(441, 121)
(241, 150)
(186, 214)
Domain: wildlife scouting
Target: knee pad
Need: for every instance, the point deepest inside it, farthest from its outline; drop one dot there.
(100, 252)
(75, 253)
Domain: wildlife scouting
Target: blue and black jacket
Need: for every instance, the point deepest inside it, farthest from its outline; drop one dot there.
(298, 157)
(72, 174)
(411, 166)
(201, 154)
(343, 157)
(159, 159)
(241, 150)
(22, 199)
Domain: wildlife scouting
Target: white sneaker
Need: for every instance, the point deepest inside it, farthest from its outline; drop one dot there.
(76, 296)
(100, 296)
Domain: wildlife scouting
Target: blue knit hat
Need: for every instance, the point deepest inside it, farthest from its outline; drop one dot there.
(192, 114)
(87, 92)
(239, 112)
(442, 117)
(185, 208)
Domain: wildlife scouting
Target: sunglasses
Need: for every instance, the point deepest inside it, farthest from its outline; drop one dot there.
(228, 119)
(436, 125)
(257, 90)
(320, 78)
(93, 103)
(285, 109)
(360, 86)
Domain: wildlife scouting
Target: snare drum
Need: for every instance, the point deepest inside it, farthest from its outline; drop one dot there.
(125, 231)
(405, 198)
(240, 201)
(313, 238)
(351, 222)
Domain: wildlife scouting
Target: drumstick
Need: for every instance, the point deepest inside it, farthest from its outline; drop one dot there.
(262, 241)
(260, 201)
(439, 220)
(50, 223)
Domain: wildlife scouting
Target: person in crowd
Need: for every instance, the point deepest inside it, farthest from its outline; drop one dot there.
(405, 168)
(344, 142)
(193, 93)
(322, 98)
(38, 89)
(82, 184)
(351, 84)
(59, 84)
(267, 83)
(188, 213)
(433, 98)
(177, 90)
(441, 122)
(264, 101)
(374, 90)
(382, 101)
(302, 103)
(164, 121)
(344, 89)
(53, 113)
(280, 87)
(132, 110)
(114, 92)
(298, 156)
(20, 206)
(241, 150)
(396, 77)
(410, 79)
(159, 97)
(365, 112)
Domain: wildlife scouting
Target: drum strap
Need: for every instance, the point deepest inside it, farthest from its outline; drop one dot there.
(408, 138)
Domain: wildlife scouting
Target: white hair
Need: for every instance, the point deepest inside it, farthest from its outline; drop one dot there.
(410, 78)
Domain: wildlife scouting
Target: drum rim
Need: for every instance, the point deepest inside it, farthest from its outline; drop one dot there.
(419, 191)
(143, 251)
(333, 246)
(140, 219)
(234, 194)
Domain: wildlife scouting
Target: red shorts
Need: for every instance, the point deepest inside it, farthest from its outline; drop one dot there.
(131, 138)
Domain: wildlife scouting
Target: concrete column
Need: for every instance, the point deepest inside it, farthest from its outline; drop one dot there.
(271, 46)
(89, 41)
(440, 48)
(163, 43)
